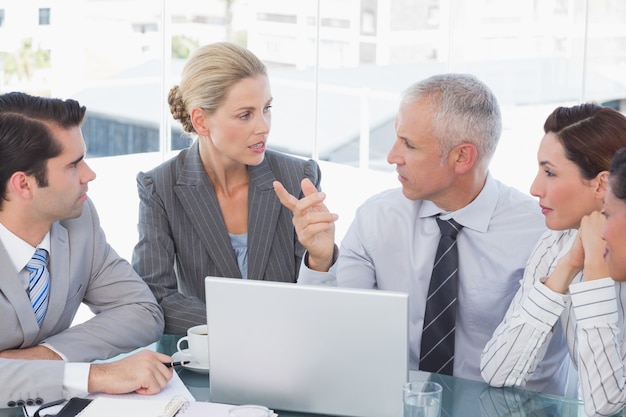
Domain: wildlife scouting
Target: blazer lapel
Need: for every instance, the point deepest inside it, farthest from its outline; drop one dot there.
(59, 267)
(205, 213)
(16, 295)
(263, 211)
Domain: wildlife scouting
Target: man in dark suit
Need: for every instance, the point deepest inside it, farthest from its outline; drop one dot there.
(45, 215)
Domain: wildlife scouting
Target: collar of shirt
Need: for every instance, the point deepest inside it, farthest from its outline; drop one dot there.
(20, 251)
(476, 215)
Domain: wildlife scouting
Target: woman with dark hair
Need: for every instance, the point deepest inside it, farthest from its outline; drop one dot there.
(574, 158)
(600, 253)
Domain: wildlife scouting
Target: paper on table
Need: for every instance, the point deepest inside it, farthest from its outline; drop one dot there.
(111, 406)
(175, 388)
(202, 409)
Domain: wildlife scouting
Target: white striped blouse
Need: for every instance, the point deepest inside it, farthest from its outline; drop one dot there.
(591, 316)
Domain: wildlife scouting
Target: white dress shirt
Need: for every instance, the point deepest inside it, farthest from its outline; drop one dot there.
(591, 327)
(391, 245)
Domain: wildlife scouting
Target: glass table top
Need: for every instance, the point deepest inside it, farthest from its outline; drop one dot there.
(461, 397)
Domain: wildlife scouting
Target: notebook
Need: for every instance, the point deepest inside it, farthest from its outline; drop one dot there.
(174, 390)
(315, 349)
(106, 406)
(176, 407)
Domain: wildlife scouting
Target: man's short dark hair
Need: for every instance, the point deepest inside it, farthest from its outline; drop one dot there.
(26, 141)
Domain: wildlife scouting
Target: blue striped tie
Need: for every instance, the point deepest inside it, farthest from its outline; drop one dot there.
(437, 348)
(39, 283)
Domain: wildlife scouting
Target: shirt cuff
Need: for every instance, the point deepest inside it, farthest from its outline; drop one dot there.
(543, 307)
(311, 277)
(76, 379)
(594, 302)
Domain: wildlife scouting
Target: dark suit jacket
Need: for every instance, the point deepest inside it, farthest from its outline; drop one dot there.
(83, 268)
(183, 238)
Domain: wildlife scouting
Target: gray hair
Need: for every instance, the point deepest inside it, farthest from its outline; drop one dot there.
(465, 111)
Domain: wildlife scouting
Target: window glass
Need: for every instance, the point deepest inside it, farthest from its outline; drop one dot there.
(337, 69)
(44, 16)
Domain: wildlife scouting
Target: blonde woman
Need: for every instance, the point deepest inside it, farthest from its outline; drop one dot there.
(212, 210)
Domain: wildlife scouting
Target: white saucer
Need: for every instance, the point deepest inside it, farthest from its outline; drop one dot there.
(184, 355)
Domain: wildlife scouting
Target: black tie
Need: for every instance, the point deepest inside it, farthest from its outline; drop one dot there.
(437, 350)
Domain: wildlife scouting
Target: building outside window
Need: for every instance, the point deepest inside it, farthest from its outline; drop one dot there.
(337, 68)
(44, 16)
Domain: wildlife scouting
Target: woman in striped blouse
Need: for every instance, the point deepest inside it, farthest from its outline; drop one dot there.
(601, 254)
(550, 315)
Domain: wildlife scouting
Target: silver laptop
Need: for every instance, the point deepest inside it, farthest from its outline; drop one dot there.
(314, 349)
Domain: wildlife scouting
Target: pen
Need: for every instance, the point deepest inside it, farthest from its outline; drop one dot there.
(173, 364)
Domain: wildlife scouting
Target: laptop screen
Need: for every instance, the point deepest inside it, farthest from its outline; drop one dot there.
(313, 349)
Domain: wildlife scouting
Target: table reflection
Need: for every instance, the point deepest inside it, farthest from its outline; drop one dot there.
(461, 397)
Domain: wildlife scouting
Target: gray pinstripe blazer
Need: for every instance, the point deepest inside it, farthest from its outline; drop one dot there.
(183, 238)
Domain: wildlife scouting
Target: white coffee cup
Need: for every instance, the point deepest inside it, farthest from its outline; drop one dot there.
(198, 341)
